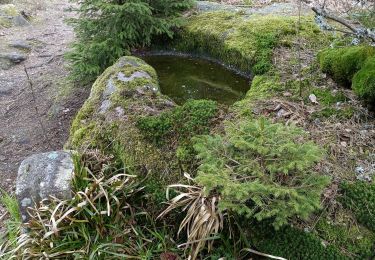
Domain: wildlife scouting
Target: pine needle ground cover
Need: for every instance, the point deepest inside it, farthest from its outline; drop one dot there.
(260, 175)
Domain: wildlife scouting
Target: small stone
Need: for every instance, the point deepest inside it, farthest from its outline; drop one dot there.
(20, 44)
(359, 170)
(344, 144)
(281, 113)
(120, 111)
(14, 57)
(106, 104)
(313, 99)
(41, 176)
(19, 20)
(287, 94)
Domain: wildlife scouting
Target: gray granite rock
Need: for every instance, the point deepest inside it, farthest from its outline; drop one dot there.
(41, 176)
(14, 57)
(19, 20)
(20, 44)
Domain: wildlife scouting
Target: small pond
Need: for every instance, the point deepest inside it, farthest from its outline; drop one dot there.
(183, 78)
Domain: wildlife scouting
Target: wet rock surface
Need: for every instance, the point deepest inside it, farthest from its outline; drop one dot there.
(41, 176)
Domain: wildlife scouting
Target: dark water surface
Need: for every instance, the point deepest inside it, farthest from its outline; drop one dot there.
(183, 78)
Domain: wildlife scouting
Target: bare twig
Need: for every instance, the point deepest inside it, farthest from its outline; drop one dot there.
(36, 108)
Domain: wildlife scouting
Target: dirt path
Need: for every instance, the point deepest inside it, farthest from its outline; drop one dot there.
(21, 130)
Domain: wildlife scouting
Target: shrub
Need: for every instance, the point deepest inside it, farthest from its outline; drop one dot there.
(359, 197)
(364, 82)
(109, 29)
(261, 170)
(343, 63)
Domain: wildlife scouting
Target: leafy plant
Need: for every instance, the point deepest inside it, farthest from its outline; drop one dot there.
(107, 30)
(262, 170)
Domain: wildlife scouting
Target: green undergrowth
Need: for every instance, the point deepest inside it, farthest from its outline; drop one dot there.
(101, 220)
(356, 241)
(327, 97)
(12, 224)
(292, 243)
(344, 63)
(261, 169)
(359, 197)
(338, 113)
(247, 43)
(183, 122)
(175, 128)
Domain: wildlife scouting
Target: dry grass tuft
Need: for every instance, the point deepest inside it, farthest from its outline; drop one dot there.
(203, 220)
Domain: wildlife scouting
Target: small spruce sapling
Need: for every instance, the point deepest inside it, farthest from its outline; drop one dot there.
(262, 170)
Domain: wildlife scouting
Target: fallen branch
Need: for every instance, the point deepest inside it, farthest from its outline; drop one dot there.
(359, 31)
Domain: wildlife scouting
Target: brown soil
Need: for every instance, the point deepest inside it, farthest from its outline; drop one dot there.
(36, 117)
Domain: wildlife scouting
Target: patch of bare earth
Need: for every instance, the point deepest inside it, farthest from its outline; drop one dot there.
(33, 116)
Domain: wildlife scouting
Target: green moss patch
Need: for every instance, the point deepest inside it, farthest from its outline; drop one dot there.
(327, 97)
(344, 63)
(353, 66)
(359, 197)
(181, 123)
(292, 243)
(364, 81)
(246, 43)
(339, 113)
(355, 240)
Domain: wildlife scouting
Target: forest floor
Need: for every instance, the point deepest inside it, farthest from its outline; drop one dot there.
(36, 117)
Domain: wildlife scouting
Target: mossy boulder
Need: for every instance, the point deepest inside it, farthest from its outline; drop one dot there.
(246, 42)
(125, 92)
(344, 63)
(352, 66)
(364, 82)
(127, 117)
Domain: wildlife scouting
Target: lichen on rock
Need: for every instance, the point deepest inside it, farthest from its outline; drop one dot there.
(41, 176)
